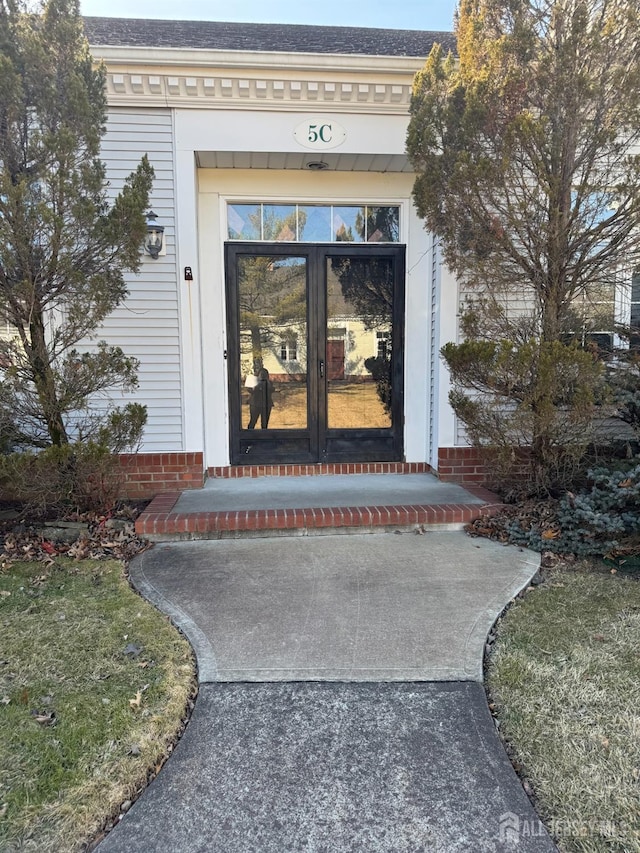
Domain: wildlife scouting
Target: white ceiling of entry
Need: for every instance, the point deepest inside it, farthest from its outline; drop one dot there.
(297, 160)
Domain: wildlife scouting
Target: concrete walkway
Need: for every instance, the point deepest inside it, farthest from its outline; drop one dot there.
(341, 705)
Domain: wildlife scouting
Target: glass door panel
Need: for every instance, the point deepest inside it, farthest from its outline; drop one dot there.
(273, 342)
(315, 358)
(359, 343)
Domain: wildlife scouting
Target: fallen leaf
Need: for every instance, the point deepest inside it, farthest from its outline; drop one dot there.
(132, 649)
(135, 703)
(600, 637)
(550, 533)
(44, 719)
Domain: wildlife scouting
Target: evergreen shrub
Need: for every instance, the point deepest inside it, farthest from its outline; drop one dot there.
(592, 523)
(77, 477)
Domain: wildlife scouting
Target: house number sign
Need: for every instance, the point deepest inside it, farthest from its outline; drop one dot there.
(320, 133)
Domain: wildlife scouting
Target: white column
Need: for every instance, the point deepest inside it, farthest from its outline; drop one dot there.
(189, 297)
(214, 328)
(417, 340)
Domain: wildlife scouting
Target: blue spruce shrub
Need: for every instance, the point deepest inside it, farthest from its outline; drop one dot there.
(592, 523)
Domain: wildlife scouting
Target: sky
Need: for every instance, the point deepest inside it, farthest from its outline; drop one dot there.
(401, 14)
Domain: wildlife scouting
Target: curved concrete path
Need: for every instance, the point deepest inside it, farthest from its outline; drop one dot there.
(341, 706)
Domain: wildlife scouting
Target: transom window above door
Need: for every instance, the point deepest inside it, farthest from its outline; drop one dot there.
(313, 223)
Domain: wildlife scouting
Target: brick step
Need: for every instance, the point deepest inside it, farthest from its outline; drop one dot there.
(232, 472)
(160, 521)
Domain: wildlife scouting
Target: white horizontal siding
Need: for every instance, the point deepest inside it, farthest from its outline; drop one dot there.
(147, 324)
(462, 440)
(515, 302)
(7, 332)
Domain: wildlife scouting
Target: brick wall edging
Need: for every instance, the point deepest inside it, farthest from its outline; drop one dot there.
(145, 475)
(463, 465)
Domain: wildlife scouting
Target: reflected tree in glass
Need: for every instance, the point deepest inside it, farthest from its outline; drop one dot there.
(272, 294)
(366, 291)
(273, 314)
(367, 283)
(383, 224)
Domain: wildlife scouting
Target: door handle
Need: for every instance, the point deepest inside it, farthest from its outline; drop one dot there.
(321, 367)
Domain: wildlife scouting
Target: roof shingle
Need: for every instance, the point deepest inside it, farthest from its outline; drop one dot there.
(282, 38)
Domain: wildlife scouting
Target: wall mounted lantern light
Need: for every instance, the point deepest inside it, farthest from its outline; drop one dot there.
(155, 236)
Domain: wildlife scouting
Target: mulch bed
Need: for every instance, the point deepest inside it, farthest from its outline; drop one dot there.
(542, 515)
(529, 514)
(26, 535)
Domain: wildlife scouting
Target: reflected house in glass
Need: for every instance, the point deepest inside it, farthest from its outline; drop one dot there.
(291, 246)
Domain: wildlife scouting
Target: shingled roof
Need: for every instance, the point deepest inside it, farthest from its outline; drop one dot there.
(282, 38)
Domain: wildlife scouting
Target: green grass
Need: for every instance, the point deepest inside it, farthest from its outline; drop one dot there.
(64, 633)
(564, 674)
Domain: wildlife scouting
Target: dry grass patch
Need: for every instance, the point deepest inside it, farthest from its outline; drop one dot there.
(564, 674)
(94, 685)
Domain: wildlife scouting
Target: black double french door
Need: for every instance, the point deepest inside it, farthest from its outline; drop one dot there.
(315, 352)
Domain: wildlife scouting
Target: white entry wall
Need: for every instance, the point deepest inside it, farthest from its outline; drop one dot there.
(203, 193)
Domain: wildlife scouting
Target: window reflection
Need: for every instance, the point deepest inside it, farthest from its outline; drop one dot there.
(314, 223)
(348, 224)
(359, 342)
(272, 293)
(383, 225)
(244, 221)
(279, 222)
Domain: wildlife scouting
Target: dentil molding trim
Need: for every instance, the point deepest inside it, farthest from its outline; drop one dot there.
(234, 91)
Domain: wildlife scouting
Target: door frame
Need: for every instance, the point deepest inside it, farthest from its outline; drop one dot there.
(318, 442)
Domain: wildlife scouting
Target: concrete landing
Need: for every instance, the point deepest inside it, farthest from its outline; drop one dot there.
(306, 505)
(395, 607)
(334, 490)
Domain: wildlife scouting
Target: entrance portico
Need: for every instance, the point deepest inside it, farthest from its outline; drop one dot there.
(233, 117)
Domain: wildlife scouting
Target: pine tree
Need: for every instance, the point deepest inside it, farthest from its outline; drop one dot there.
(526, 153)
(64, 248)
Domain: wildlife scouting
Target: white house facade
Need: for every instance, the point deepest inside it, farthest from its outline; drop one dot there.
(295, 313)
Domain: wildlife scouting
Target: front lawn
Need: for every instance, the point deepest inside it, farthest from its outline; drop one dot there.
(564, 678)
(94, 686)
